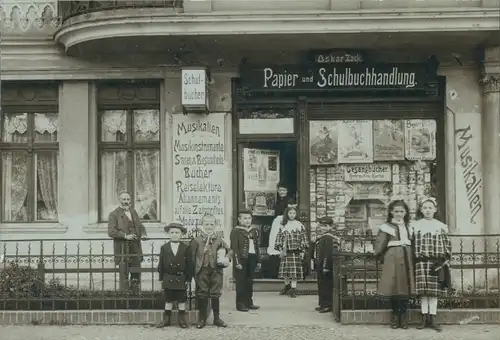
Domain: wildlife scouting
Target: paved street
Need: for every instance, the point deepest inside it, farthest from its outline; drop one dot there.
(279, 318)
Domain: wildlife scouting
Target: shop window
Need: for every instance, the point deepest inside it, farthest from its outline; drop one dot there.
(359, 166)
(29, 166)
(129, 149)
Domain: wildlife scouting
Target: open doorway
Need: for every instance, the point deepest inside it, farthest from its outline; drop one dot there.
(262, 166)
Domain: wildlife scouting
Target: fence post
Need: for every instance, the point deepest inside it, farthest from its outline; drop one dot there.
(337, 289)
(41, 270)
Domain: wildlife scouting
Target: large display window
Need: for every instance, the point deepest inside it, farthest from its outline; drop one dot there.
(358, 166)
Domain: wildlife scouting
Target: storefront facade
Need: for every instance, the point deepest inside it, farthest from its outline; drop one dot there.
(347, 129)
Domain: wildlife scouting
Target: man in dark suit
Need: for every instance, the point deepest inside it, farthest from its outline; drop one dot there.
(127, 231)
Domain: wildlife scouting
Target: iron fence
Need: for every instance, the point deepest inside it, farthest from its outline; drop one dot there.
(73, 274)
(475, 272)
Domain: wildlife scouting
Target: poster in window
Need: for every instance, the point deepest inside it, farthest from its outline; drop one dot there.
(261, 203)
(420, 139)
(355, 140)
(388, 140)
(323, 142)
(261, 169)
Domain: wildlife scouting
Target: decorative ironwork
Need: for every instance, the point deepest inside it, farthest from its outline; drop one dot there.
(475, 267)
(69, 9)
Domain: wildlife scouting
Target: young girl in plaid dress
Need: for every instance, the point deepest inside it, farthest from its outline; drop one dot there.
(291, 242)
(432, 253)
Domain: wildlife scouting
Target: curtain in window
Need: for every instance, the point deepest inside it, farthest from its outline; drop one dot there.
(146, 162)
(46, 128)
(15, 169)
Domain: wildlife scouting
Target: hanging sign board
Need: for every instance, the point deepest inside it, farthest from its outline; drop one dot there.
(194, 90)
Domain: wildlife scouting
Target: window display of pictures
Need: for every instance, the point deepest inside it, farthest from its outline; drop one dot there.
(262, 203)
(388, 140)
(323, 146)
(355, 141)
(420, 139)
(261, 169)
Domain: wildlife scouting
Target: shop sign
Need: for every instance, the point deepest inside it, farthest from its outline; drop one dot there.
(337, 57)
(368, 173)
(334, 77)
(199, 169)
(194, 88)
(468, 172)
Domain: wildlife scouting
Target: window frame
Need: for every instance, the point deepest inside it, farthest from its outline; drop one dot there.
(130, 146)
(32, 148)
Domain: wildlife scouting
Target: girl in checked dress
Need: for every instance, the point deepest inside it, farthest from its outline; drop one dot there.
(291, 242)
(432, 254)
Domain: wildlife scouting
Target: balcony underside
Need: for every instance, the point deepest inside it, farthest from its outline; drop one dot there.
(127, 27)
(273, 48)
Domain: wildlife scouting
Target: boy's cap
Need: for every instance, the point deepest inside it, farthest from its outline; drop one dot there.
(245, 211)
(325, 220)
(176, 225)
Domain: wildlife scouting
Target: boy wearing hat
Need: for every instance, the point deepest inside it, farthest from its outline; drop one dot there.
(326, 244)
(175, 269)
(245, 245)
(211, 255)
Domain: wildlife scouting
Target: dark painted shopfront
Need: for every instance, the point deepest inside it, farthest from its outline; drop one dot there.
(346, 138)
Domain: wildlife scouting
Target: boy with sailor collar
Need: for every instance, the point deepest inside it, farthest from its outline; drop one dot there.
(245, 246)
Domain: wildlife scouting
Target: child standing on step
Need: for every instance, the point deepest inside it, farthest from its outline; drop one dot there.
(432, 253)
(324, 248)
(393, 249)
(175, 269)
(291, 242)
(211, 255)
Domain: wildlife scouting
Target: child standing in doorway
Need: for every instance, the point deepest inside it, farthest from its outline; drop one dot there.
(432, 253)
(175, 269)
(211, 255)
(291, 242)
(393, 249)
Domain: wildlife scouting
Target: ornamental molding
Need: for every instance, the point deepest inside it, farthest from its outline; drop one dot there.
(28, 16)
(490, 82)
(124, 23)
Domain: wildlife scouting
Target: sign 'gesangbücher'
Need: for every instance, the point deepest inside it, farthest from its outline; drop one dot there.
(335, 77)
(368, 172)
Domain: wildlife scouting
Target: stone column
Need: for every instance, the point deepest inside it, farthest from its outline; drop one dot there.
(491, 140)
(74, 156)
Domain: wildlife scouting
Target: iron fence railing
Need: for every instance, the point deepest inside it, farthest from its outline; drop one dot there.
(475, 271)
(64, 274)
(69, 9)
(56, 274)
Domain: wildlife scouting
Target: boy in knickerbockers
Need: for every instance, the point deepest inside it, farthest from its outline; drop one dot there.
(211, 255)
(175, 269)
(326, 244)
(245, 246)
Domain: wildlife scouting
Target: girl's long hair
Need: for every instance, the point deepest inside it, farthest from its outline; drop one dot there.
(398, 203)
(285, 219)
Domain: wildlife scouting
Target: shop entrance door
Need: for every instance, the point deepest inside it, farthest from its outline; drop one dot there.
(262, 166)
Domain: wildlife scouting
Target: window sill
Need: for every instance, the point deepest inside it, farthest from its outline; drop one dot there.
(102, 228)
(33, 228)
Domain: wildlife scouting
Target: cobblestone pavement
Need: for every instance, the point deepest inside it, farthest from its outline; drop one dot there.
(245, 332)
(279, 318)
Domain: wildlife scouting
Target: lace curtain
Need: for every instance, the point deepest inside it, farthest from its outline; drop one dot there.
(15, 169)
(146, 163)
